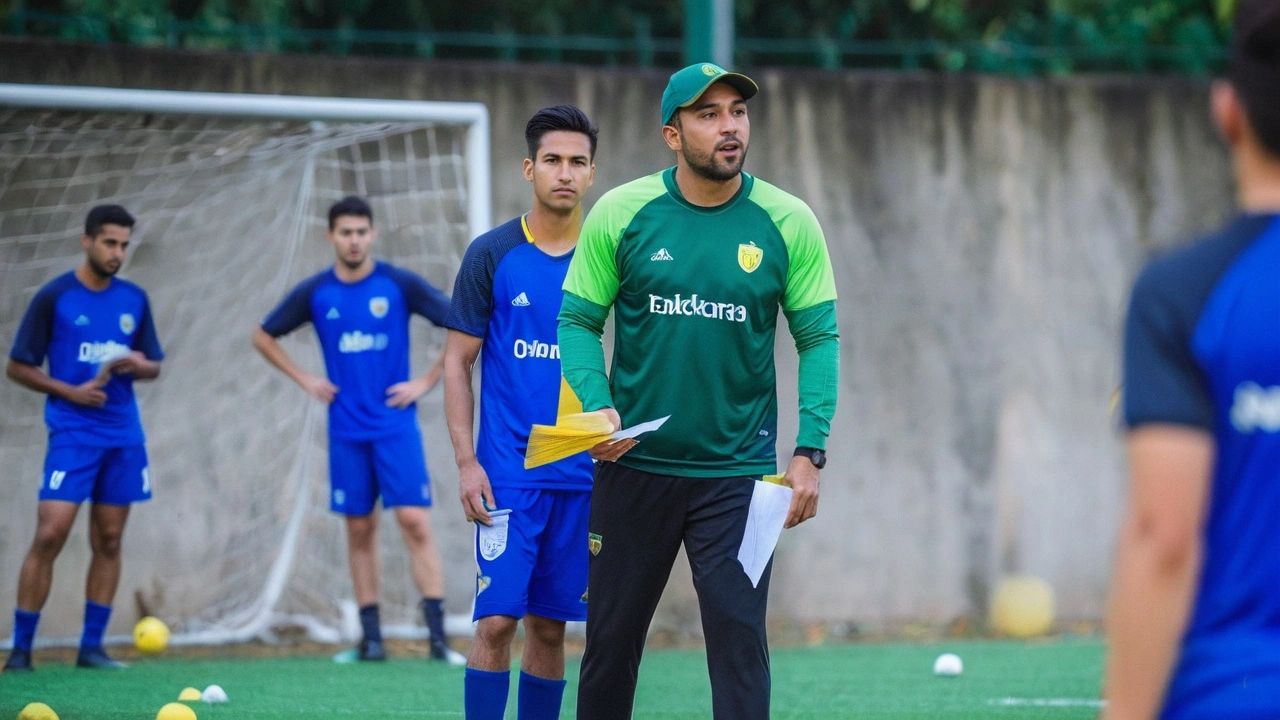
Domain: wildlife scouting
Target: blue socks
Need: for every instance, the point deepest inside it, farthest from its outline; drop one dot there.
(485, 694)
(539, 698)
(95, 625)
(370, 623)
(24, 629)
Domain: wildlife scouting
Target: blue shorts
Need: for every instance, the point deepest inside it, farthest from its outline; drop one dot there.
(533, 559)
(106, 475)
(393, 467)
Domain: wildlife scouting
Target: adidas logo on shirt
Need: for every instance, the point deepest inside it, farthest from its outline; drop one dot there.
(521, 300)
(82, 321)
(332, 314)
(662, 254)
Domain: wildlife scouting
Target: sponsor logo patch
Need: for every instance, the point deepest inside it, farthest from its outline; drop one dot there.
(521, 300)
(1256, 408)
(662, 254)
(332, 314)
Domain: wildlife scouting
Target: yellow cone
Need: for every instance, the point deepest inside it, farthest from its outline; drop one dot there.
(189, 695)
(1022, 607)
(176, 711)
(37, 711)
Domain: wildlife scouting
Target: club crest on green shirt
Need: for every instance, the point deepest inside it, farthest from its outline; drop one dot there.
(749, 257)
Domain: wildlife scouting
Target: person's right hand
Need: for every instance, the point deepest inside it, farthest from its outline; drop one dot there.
(611, 450)
(89, 394)
(319, 388)
(475, 492)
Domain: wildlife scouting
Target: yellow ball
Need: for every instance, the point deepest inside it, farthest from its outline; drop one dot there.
(37, 711)
(1022, 606)
(176, 711)
(189, 695)
(151, 636)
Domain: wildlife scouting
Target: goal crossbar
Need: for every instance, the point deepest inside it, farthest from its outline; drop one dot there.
(473, 115)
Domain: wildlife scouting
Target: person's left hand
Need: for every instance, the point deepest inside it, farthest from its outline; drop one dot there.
(128, 365)
(403, 394)
(802, 478)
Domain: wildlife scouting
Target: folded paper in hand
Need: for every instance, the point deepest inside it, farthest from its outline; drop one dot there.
(770, 501)
(576, 433)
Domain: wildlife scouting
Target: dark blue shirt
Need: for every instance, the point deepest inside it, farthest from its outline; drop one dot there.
(508, 292)
(79, 329)
(1202, 349)
(364, 334)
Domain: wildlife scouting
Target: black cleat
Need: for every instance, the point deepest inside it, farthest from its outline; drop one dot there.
(97, 659)
(19, 661)
(371, 650)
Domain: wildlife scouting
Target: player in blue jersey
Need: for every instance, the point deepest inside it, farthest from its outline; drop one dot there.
(531, 525)
(98, 335)
(360, 309)
(1194, 617)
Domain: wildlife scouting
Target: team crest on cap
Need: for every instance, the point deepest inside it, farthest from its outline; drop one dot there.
(710, 70)
(378, 306)
(127, 324)
(594, 543)
(749, 257)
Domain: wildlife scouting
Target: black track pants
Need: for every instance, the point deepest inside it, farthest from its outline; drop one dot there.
(638, 521)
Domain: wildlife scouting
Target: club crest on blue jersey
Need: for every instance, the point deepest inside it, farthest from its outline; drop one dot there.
(378, 306)
(128, 324)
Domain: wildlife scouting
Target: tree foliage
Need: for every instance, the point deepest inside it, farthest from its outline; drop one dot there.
(965, 34)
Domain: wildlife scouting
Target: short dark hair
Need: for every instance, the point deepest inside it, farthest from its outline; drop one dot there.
(349, 205)
(106, 215)
(1255, 67)
(558, 117)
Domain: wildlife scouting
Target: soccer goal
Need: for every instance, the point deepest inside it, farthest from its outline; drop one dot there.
(230, 191)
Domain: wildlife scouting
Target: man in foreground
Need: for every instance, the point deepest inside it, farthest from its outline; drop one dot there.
(1194, 616)
(695, 262)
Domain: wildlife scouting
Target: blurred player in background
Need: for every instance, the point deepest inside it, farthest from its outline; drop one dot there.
(360, 309)
(695, 262)
(1194, 616)
(99, 336)
(532, 552)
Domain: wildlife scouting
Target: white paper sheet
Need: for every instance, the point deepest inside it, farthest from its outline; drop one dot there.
(768, 512)
(640, 429)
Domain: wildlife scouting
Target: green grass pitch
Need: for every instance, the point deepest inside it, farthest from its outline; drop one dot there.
(1054, 680)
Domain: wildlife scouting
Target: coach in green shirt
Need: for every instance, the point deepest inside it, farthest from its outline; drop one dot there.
(695, 261)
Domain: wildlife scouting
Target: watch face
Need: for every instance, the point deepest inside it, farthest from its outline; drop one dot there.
(819, 459)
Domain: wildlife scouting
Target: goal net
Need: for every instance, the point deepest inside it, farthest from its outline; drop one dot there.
(230, 193)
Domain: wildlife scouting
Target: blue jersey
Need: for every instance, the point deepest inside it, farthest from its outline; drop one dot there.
(508, 292)
(1202, 349)
(78, 329)
(364, 334)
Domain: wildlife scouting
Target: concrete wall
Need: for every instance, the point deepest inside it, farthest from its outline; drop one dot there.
(984, 233)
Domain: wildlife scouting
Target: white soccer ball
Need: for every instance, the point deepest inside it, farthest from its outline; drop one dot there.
(948, 665)
(213, 695)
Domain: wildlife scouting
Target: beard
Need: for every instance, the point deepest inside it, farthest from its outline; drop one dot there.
(102, 270)
(709, 166)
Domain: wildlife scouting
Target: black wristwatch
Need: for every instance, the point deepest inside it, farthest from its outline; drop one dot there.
(816, 456)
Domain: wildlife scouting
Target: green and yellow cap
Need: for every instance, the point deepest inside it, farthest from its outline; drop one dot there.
(687, 85)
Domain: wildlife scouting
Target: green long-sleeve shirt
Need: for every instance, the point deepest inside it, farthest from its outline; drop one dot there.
(696, 293)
